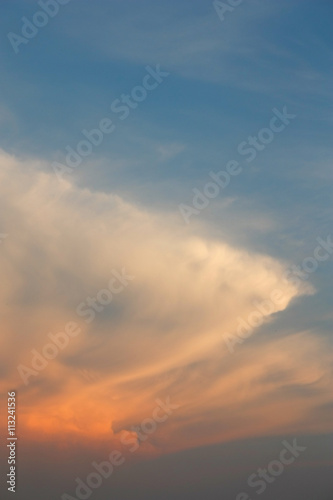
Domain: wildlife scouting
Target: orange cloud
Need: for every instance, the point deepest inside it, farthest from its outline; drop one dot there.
(161, 336)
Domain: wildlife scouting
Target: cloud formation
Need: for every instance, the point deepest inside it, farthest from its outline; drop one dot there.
(162, 336)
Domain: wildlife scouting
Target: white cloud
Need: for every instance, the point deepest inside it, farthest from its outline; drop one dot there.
(188, 291)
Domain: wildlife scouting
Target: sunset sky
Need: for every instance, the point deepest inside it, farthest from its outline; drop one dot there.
(166, 246)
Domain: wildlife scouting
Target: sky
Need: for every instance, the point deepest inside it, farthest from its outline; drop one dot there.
(165, 248)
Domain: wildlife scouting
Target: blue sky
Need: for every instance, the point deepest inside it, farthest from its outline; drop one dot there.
(225, 78)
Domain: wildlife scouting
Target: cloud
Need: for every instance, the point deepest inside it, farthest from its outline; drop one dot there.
(162, 336)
